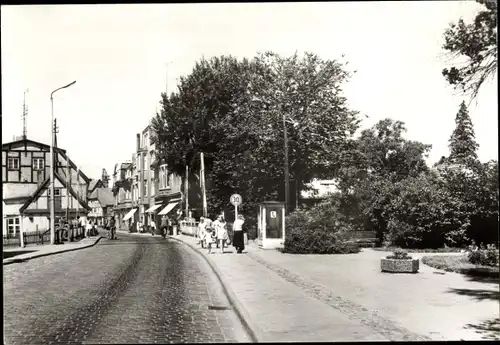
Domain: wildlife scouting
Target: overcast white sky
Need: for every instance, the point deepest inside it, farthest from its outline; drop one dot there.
(118, 53)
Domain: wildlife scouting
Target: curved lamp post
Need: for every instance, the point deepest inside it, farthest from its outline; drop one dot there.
(52, 203)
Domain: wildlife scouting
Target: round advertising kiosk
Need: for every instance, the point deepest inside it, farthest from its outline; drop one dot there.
(271, 224)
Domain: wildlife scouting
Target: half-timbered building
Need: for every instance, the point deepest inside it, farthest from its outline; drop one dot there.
(26, 184)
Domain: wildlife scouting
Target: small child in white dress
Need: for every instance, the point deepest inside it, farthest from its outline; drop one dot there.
(209, 239)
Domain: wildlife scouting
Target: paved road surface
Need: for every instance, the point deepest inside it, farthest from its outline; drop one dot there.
(131, 290)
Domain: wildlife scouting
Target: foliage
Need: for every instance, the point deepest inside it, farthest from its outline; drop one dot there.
(216, 112)
(424, 215)
(444, 249)
(399, 254)
(460, 264)
(477, 43)
(463, 146)
(307, 236)
(486, 256)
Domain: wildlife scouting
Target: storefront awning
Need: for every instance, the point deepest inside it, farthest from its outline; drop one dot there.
(152, 209)
(129, 214)
(167, 208)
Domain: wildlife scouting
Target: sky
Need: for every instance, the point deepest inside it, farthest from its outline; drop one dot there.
(124, 56)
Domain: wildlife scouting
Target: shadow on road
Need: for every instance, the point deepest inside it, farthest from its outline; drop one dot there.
(486, 278)
(489, 329)
(477, 294)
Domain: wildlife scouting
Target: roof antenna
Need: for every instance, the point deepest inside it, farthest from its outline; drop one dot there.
(25, 116)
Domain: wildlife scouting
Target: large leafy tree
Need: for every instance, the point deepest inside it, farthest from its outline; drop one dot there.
(216, 112)
(305, 91)
(373, 164)
(476, 44)
(382, 151)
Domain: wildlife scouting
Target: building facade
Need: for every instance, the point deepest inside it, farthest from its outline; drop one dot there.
(101, 202)
(26, 182)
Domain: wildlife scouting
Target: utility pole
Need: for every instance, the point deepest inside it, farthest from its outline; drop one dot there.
(202, 178)
(52, 203)
(287, 178)
(67, 186)
(186, 190)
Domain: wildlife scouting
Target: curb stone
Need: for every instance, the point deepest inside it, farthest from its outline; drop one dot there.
(250, 327)
(35, 256)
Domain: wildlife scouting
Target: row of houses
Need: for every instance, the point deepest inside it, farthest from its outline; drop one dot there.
(26, 188)
(144, 188)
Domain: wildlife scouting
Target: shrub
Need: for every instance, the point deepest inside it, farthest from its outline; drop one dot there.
(399, 254)
(424, 214)
(486, 256)
(307, 236)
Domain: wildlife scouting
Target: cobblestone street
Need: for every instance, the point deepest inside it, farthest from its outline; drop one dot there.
(132, 290)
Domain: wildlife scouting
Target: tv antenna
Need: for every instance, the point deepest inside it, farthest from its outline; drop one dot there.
(25, 115)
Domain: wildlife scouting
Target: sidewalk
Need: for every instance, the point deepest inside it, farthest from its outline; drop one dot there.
(37, 251)
(434, 304)
(278, 310)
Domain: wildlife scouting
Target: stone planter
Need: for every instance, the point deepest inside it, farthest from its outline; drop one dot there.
(399, 265)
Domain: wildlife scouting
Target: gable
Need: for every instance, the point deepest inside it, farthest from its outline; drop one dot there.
(43, 191)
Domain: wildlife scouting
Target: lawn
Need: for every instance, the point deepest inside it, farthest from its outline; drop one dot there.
(460, 264)
(438, 250)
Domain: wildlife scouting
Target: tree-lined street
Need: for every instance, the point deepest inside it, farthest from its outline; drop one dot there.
(132, 290)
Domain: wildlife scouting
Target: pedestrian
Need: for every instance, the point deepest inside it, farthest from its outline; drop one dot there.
(112, 226)
(75, 225)
(83, 224)
(153, 226)
(88, 228)
(221, 232)
(164, 226)
(201, 232)
(209, 238)
(238, 238)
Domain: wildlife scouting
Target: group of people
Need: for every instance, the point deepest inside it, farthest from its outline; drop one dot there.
(216, 232)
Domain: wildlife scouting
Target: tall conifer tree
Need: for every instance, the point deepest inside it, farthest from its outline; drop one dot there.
(463, 145)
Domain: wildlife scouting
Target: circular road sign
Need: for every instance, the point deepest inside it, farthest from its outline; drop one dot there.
(236, 199)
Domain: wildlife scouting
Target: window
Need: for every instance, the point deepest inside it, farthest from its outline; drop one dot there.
(145, 189)
(57, 192)
(38, 163)
(13, 226)
(13, 163)
(164, 178)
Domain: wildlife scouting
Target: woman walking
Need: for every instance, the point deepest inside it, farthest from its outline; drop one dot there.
(238, 240)
(221, 232)
(201, 232)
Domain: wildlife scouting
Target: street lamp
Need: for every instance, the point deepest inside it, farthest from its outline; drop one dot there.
(52, 203)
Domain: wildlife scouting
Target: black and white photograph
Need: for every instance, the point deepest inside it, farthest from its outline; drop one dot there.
(245, 172)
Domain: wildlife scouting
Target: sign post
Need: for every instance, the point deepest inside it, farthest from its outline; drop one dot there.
(236, 200)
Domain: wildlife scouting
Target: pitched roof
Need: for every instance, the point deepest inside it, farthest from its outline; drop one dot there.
(93, 184)
(104, 196)
(44, 186)
(17, 143)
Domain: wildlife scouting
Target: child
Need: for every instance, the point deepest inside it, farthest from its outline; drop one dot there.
(209, 238)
